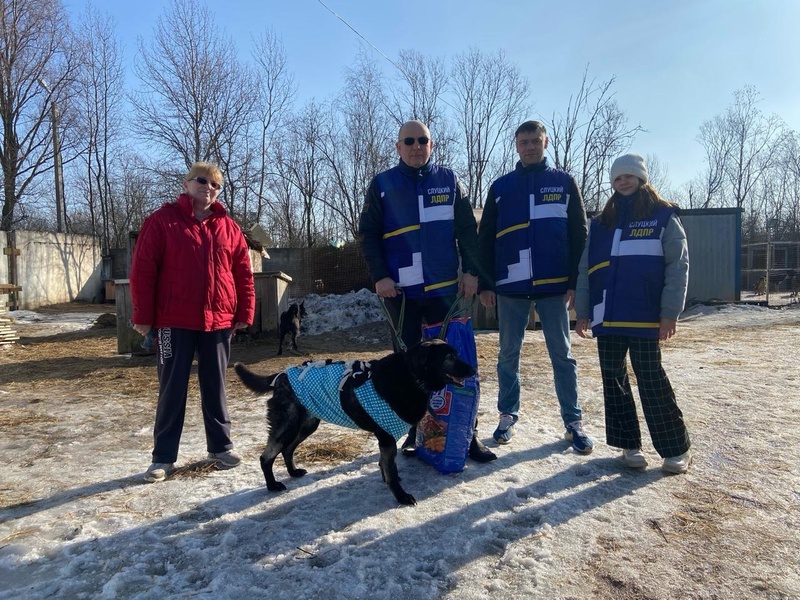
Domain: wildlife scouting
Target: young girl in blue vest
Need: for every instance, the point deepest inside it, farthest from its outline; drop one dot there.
(631, 288)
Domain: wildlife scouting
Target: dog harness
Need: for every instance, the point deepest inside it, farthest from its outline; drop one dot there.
(320, 386)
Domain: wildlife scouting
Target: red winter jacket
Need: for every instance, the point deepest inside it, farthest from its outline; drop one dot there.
(191, 274)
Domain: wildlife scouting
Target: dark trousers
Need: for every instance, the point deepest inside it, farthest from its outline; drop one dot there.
(417, 311)
(176, 351)
(664, 418)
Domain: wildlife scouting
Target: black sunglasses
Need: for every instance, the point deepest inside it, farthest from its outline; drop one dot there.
(204, 181)
(423, 140)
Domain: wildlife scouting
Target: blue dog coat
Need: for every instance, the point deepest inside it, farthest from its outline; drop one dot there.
(318, 386)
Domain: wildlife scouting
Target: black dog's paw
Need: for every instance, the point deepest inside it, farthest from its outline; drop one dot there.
(297, 472)
(406, 499)
(276, 487)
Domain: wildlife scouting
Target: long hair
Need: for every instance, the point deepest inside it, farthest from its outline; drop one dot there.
(646, 201)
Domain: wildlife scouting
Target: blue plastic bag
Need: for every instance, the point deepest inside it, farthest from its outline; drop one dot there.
(443, 441)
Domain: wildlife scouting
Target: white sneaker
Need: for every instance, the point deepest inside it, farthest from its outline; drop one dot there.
(226, 460)
(634, 458)
(158, 472)
(677, 464)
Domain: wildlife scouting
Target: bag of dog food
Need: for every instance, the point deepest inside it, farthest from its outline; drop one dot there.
(443, 441)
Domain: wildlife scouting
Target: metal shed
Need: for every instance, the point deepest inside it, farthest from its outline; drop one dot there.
(714, 236)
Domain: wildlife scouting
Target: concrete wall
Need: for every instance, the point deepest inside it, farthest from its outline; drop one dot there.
(53, 267)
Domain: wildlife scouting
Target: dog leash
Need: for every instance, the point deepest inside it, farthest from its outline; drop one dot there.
(396, 330)
(455, 310)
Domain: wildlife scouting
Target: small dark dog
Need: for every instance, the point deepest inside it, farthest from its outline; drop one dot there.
(792, 280)
(402, 380)
(290, 324)
(761, 286)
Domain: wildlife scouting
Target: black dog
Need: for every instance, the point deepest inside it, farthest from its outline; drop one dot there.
(290, 324)
(402, 380)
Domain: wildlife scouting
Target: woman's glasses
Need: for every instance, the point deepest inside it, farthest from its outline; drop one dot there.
(211, 184)
(423, 140)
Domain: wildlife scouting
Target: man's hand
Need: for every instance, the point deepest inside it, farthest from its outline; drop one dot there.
(488, 298)
(581, 325)
(239, 325)
(468, 285)
(141, 329)
(666, 328)
(569, 299)
(386, 288)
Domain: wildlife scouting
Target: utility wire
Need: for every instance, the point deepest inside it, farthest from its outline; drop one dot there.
(374, 47)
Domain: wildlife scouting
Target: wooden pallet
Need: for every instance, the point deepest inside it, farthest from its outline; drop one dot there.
(7, 333)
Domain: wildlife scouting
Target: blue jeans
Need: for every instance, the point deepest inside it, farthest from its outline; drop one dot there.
(512, 316)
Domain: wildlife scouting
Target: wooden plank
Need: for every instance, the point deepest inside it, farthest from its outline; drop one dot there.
(128, 340)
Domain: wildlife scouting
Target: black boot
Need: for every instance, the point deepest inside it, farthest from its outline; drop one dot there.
(477, 450)
(409, 444)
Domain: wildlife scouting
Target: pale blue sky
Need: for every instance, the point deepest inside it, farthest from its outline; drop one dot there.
(677, 63)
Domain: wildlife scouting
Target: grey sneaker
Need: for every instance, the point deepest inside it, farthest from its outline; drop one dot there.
(227, 459)
(158, 472)
(505, 428)
(634, 458)
(677, 464)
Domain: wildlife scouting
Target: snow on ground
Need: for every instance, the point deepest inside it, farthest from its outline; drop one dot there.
(334, 312)
(36, 324)
(540, 522)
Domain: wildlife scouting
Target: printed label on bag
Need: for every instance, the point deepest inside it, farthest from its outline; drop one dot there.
(441, 401)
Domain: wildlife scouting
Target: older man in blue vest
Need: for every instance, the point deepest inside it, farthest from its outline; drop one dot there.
(532, 235)
(416, 221)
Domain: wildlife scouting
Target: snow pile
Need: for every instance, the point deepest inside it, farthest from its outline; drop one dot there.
(334, 312)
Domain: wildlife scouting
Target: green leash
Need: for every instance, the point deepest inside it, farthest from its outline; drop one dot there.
(396, 330)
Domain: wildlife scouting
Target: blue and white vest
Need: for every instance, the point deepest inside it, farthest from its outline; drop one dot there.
(532, 239)
(419, 239)
(626, 274)
(318, 386)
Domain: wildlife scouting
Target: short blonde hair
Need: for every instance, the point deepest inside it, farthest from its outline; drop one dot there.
(205, 169)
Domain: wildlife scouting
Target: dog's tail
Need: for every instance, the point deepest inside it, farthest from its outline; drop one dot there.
(255, 382)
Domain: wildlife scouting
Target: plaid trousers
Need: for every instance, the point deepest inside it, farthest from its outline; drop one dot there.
(664, 418)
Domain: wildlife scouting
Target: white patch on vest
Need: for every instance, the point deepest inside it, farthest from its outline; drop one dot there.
(549, 211)
(521, 270)
(640, 248)
(411, 275)
(437, 212)
(599, 311)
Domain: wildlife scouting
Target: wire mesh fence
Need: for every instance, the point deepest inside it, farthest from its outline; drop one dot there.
(771, 271)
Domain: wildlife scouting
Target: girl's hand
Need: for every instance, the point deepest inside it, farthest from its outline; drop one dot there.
(666, 328)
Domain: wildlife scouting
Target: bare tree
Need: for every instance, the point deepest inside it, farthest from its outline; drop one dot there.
(740, 146)
(589, 135)
(360, 145)
(658, 174)
(193, 98)
(492, 98)
(276, 92)
(300, 163)
(36, 70)
(717, 145)
(420, 94)
(100, 96)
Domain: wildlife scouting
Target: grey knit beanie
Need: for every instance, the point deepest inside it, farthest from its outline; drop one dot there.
(629, 164)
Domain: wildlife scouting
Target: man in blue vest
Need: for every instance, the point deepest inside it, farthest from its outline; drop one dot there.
(416, 221)
(532, 235)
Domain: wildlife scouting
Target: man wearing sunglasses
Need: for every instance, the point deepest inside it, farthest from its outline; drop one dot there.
(192, 282)
(416, 221)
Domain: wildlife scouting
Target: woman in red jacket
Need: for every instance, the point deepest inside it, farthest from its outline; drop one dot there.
(192, 282)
